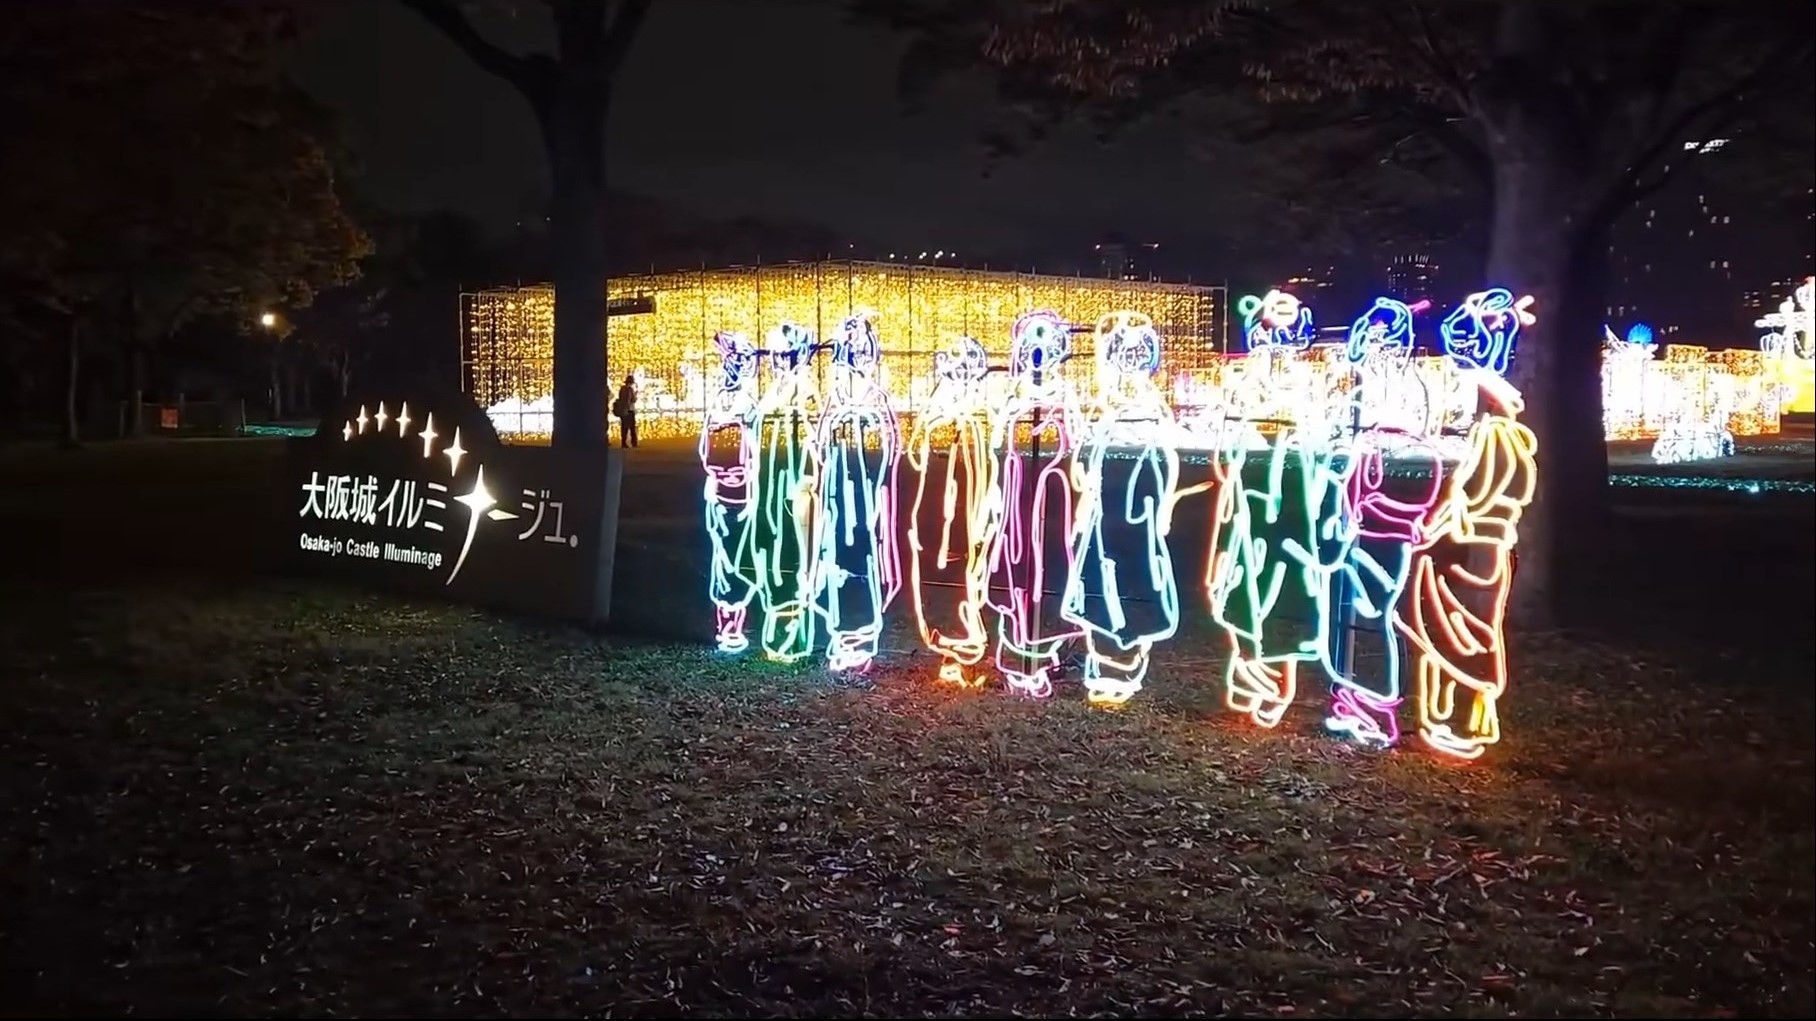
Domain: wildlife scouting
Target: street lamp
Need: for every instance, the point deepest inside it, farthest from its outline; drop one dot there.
(268, 320)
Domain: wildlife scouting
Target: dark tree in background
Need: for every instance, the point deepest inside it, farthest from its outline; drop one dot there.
(570, 92)
(158, 169)
(1565, 114)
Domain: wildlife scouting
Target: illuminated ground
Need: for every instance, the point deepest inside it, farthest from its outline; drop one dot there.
(231, 796)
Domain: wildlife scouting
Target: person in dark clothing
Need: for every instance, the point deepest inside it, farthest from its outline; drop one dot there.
(626, 408)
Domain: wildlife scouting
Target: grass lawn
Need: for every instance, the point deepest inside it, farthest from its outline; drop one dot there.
(229, 795)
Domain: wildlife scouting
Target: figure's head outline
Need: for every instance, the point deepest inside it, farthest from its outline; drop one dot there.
(1483, 331)
(856, 346)
(1386, 326)
(790, 345)
(1277, 319)
(737, 358)
(963, 363)
(1127, 345)
(1040, 341)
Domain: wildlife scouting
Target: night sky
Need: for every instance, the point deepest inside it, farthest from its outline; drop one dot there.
(782, 109)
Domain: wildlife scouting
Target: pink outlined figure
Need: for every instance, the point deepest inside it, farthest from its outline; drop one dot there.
(1033, 501)
(948, 548)
(1383, 530)
(857, 569)
(731, 479)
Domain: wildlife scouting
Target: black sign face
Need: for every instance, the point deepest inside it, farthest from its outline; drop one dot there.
(640, 305)
(420, 495)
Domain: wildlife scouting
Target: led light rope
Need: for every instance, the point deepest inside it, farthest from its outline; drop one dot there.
(1034, 498)
(1454, 609)
(1130, 559)
(784, 497)
(731, 497)
(962, 486)
(856, 568)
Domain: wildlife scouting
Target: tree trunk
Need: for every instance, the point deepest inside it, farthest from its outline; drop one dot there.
(573, 130)
(72, 386)
(277, 389)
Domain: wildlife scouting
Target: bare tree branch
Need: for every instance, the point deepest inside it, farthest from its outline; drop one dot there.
(622, 32)
(528, 75)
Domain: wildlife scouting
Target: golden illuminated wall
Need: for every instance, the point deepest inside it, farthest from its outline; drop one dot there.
(508, 333)
(1690, 385)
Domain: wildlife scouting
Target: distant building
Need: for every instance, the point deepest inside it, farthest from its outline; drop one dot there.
(1309, 283)
(1412, 277)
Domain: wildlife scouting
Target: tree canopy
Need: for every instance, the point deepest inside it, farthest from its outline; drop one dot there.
(155, 156)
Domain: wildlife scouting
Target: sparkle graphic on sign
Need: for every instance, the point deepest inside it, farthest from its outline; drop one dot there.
(347, 431)
(478, 501)
(380, 418)
(403, 419)
(428, 435)
(362, 420)
(455, 452)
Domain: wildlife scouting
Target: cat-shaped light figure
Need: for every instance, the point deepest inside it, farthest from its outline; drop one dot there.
(1032, 504)
(1121, 591)
(949, 524)
(857, 569)
(728, 453)
(1454, 611)
(788, 417)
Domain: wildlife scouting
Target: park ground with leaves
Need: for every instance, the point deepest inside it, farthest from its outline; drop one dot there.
(233, 796)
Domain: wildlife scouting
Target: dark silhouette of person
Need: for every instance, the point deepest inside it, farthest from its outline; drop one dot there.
(626, 407)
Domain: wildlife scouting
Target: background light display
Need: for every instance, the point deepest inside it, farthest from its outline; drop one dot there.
(508, 334)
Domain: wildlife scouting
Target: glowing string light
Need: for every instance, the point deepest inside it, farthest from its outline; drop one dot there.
(1118, 543)
(1454, 609)
(1033, 498)
(1279, 540)
(856, 568)
(731, 413)
(960, 483)
(1790, 348)
(784, 498)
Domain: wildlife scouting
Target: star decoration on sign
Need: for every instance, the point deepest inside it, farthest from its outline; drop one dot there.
(428, 435)
(380, 418)
(403, 419)
(347, 431)
(362, 419)
(478, 500)
(455, 452)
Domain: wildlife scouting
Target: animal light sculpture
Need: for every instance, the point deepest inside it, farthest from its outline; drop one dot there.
(1791, 348)
(1121, 591)
(950, 522)
(728, 452)
(1453, 613)
(1033, 498)
(787, 417)
(856, 568)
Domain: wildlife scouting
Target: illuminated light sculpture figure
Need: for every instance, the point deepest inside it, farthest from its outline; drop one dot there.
(731, 477)
(962, 488)
(1276, 320)
(787, 415)
(1379, 351)
(1382, 530)
(1282, 539)
(856, 568)
(1455, 605)
(1121, 591)
(1791, 348)
(1033, 499)
(1279, 540)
